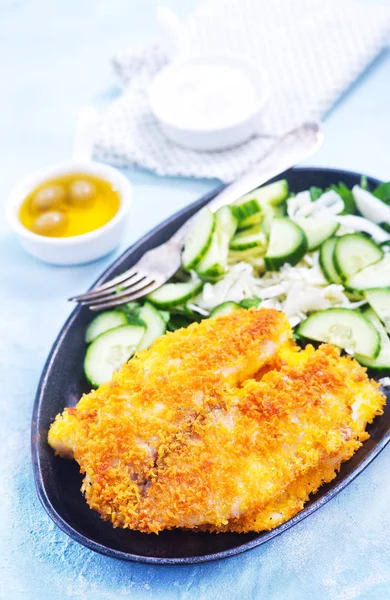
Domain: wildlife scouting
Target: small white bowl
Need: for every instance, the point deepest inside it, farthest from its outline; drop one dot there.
(238, 130)
(80, 248)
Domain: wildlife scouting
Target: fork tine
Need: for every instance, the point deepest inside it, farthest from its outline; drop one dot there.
(110, 285)
(131, 289)
(115, 301)
(101, 295)
(145, 281)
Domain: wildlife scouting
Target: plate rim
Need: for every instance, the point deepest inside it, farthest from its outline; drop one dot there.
(35, 455)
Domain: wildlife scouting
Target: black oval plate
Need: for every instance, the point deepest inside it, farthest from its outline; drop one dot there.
(62, 383)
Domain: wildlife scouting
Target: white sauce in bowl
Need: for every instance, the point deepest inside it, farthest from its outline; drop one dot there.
(205, 96)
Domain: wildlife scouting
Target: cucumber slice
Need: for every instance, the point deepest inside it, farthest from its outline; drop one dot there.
(214, 264)
(245, 255)
(287, 244)
(250, 302)
(353, 252)
(271, 199)
(110, 351)
(224, 309)
(326, 261)
(165, 315)
(174, 294)
(255, 219)
(372, 316)
(270, 212)
(273, 194)
(374, 276)
(199, 239)
(253, 237)
(155, 325)
(244, 208)
(382, 362)
(342, 327)
(225, 225)
(379, 300)
(316, 230)
(104, 322)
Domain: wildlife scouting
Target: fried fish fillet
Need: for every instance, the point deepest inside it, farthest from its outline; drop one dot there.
(224, 426)
(122, 433)
(307, 416)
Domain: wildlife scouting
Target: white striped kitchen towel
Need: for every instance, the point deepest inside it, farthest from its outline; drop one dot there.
(310, 51)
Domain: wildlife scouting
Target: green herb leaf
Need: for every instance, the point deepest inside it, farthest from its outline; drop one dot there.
(385, 226)
(315, 193)
(383, 192)
(134, 320)
(347, 197)
(131, 309)
(178, 322)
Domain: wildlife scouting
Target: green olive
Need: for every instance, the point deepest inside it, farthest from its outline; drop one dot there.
(48, 197)
(81, 192)
(52, 222)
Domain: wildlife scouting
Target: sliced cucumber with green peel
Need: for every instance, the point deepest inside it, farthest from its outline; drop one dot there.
(155, 325)
(165, 315)
(244, 208)
(271, 199)
(245, 255)
(198, 239)
(316, 230)
(382, 362)
(214, 264)
(225, 225)
(326, 261)
(255, 219)
(270, 212)
(344, 328)
(273, 194)
(104, 322)
(354, 252)
(175, 294)
(372, 316)
(224, 309)
(253, 237)
(379, 300)
(110, 351)
(287, 244)
(374, 276)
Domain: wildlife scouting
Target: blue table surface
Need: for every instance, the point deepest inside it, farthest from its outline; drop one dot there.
(54, 57)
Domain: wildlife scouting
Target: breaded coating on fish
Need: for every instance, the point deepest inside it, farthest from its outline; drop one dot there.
(225, 425)
(120, 433)
(305, 418)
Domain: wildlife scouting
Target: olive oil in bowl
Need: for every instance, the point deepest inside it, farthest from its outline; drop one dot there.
(69, 205)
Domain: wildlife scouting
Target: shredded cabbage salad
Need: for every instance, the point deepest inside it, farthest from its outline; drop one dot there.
(296, 290)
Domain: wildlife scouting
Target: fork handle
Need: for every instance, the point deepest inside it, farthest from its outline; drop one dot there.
(292, 148)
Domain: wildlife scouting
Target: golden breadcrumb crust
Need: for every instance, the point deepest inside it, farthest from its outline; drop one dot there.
(224, 426)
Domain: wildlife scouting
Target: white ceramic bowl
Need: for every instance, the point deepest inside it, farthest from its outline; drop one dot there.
(233, 133)
(76, 249)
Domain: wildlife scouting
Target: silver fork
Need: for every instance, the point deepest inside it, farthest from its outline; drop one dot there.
(158, 265)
